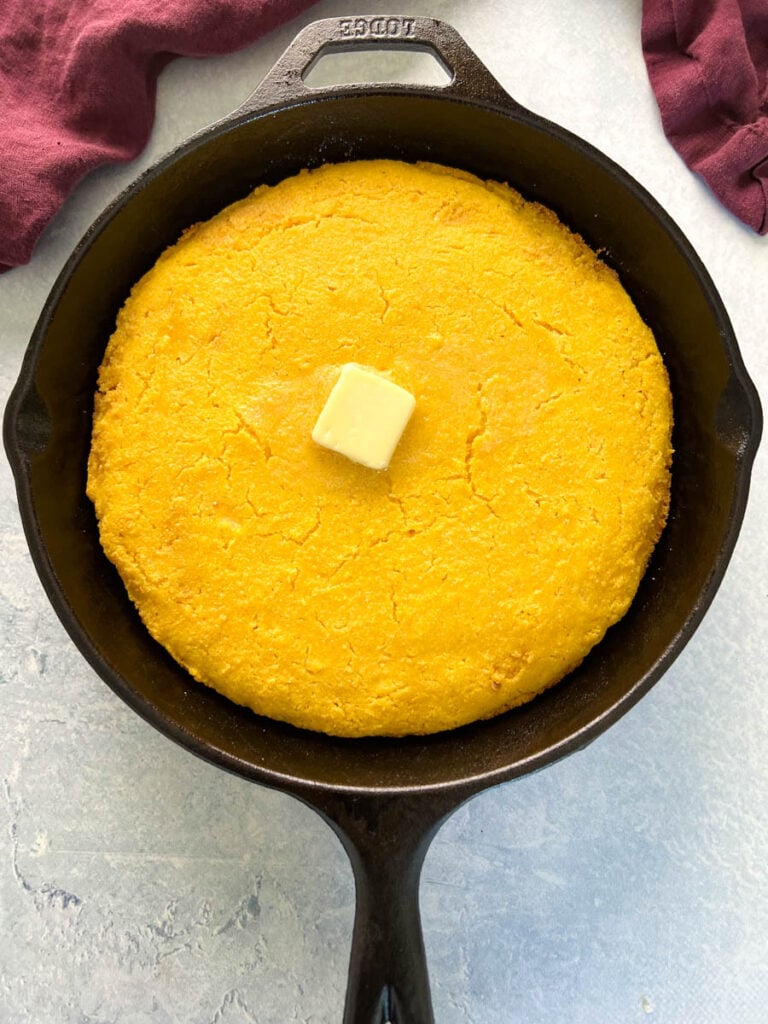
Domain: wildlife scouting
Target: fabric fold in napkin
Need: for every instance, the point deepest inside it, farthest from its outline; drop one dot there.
(707, 62)
(77, 89)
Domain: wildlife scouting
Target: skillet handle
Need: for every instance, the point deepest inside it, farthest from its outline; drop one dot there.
(388, 979)
(387, 839)
(470, 78)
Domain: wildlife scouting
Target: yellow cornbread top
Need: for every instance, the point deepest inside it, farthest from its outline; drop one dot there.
(519, 509)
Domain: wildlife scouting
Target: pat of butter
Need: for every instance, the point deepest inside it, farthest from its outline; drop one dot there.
(364, 417)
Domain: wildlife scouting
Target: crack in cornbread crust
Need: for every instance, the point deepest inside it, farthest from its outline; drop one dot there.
(521, 505)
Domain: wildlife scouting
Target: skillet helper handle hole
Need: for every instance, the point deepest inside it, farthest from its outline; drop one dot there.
(467, 76)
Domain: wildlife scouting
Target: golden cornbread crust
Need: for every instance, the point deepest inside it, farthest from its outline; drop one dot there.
(519, 510)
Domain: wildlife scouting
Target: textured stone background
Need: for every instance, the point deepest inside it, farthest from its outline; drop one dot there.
(628, 883)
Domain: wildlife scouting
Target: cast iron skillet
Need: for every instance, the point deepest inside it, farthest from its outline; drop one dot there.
(385, 798)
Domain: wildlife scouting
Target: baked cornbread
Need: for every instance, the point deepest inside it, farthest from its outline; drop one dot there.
(520, 507)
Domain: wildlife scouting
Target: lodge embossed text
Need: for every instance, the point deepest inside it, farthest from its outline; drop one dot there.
(376, 28)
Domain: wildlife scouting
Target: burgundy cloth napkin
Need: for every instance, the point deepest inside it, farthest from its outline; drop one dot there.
(77, 89)
(708, 66)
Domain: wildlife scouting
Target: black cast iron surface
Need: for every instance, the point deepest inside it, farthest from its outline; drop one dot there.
(385, 798)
